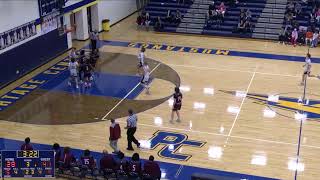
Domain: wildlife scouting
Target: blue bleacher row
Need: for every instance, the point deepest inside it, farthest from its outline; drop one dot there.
(159, 8)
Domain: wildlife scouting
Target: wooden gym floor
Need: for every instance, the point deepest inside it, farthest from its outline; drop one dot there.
(225, 105)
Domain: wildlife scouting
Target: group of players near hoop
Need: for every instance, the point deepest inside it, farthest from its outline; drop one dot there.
(80, 68)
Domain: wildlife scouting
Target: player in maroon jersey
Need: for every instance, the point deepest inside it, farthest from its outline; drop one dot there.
(57, 154)
(107, 162)
(152, 168)
(177, 103)
(135, 168)
(87, 160)
(27, 146)
(68, 160)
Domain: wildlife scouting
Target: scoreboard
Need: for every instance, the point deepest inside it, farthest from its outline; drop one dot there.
(47, 7)
(27, 164)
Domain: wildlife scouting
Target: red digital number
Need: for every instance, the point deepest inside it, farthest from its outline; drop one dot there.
(10, 164)
(46, 163)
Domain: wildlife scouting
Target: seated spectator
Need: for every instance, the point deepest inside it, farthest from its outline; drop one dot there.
(242, 15)
(290, 7)
(158, 26)
(68, 160)
(26, 146)
(309, 36)
(140, 20)
(135, 168)
(147, 20)
(178, 17)
(298, 8)
(241, 27)
(315, 39)
(212, 17)
(294, 37)
(247, 25)
(212, 7)
(317, 15)
(169, 18)
(282, 36)
(57, 154)
(301, 36)
(222, 10)
(107, 163)
(248, 14)
(152, 168)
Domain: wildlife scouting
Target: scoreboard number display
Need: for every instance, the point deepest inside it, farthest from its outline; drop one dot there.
(27, 164)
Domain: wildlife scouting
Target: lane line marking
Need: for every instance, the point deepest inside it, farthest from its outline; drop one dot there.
(103, 118)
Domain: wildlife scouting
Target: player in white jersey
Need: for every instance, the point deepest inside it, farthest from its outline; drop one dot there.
(146, 77)
(307, 69)
(73, 68)
(141, 56)
(72, 53)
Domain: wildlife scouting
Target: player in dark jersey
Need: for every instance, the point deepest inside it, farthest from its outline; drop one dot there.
(152, 169)
(57, 154)
(135, 168)
(107, 163)
(68, 160)
(121, 165)
(87, 73)
(177, 103)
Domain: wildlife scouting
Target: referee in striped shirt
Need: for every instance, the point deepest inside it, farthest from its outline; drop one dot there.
(131, 129)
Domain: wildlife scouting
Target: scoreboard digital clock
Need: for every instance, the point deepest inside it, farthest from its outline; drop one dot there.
(47, 7)
(23, 164)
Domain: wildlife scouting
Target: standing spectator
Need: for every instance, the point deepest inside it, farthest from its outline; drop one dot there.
(115, 134)
(152, 168)
(315, 39)
(139, 21)
(294, 37)
(26, 146)
(222, 10)
(107, 162)
(309, 36)
(131, 130)
(298, 8)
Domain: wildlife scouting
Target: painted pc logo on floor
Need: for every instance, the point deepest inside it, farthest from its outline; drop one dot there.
(285, 102)
(172, 142)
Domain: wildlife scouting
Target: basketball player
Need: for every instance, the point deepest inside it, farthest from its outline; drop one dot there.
(73, 68)
(177, 103)
(141, 56)
(145, 77)
(307, 69)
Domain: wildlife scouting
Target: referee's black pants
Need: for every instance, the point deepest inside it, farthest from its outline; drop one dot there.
(93, 44)
(131, 138)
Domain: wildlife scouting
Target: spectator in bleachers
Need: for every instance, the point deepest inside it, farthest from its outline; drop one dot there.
(247, 25)
(178, 17)
(309, 36)
(57, 154)
(222, 10)
(294, 37)
(152, 168)
(158, 24)
(135, 166)
(298, 8)
(212, 7)
(282, 36)
(301, 37)
(290, 7)
(315, 39)
(241, 27)
(68, 160)
(107, 163)
(140, 20)
(170, 17)
(26, 145)
(147, 21)
(317, 15)
(248, 14)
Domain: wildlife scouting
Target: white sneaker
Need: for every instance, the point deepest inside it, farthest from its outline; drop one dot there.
(77, 86)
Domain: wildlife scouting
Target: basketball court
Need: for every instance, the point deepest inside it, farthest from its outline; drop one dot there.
(241, 112)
